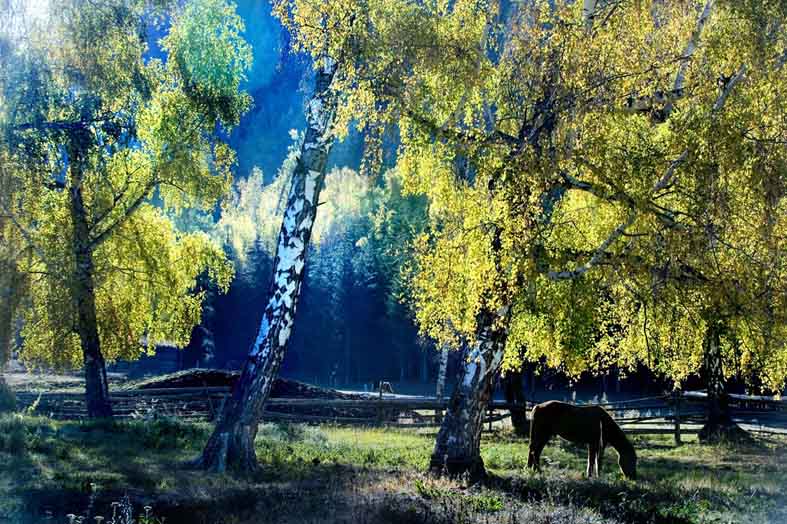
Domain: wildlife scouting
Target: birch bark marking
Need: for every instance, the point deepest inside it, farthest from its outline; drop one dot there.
(457, 448)
(83, 288)
(232, 443)
(719, 424)
(440, 392)
(688, 53)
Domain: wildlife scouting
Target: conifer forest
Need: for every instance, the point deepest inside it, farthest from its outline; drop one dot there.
(393, 261)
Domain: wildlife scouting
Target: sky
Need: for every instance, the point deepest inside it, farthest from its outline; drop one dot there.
(279, 83)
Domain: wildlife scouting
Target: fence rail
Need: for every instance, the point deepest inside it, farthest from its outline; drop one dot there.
(676, 414)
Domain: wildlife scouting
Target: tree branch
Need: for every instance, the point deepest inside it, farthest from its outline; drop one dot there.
(101, 237)
(691, 48)
(26, 235)
(728, 87)
(598, 254)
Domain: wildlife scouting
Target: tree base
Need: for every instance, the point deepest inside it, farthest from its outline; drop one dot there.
(723, 432)
(471, 469)
(229, 449)
(520, 422)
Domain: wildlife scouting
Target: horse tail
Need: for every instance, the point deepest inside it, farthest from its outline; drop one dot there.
(534, 416)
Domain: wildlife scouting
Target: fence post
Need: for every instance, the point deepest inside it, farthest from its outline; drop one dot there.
(677, 396)
(380, 416)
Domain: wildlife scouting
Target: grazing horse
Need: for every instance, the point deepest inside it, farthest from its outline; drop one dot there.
(590, 425)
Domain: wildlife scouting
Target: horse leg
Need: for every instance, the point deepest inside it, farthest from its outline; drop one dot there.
(537, 443)
(593, 458)
(589, 470)
(600, 459)
(533, 456)
(601, 446)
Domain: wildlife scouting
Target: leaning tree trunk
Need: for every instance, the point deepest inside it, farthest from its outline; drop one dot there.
(232, 443)
(457, 449)
(719, 424)
(84, 295)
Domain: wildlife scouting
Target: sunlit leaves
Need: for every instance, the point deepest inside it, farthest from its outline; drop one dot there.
(148, 133)
(144, 277)
(206, 49)
(463, 85)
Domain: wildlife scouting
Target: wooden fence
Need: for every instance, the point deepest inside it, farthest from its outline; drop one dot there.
(676, 414)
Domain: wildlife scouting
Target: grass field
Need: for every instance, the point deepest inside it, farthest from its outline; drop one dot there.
(340, 474)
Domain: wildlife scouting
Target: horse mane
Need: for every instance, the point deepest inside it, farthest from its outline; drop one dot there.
(614, 436)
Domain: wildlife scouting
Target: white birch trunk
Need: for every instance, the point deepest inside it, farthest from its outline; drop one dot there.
(443, 369)
(457, 449)
(232, 442)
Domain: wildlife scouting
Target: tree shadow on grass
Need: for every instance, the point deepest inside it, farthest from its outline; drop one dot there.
(103, 462)
(622, 501)
(657, 497)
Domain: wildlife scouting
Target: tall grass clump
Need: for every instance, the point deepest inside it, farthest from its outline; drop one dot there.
(14, 435)
(7, 397)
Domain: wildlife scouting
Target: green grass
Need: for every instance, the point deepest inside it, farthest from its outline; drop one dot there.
(375, 475)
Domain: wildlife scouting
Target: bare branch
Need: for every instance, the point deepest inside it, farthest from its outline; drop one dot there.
(25, 234)
(665, 180)
(598, 254)
(691, 48)
(728, 87)
(101, 237)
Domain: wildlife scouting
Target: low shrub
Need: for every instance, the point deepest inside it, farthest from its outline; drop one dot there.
(7, 397)
(167, 433)
(14, 437)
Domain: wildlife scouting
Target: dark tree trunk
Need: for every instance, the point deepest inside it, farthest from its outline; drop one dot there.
(514, 392)
(232, 443)
(457, 449)
(83, 286)
(719, 424)
(12, 283)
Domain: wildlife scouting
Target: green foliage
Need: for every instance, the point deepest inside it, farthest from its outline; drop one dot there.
(703, 250)
(166, 433)
(14, 438)
(211, 28)
(396, 220)
(137, 139)
(484, 502)
(619, 200)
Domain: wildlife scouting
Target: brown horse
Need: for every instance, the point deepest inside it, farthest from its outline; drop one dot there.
(590, 425)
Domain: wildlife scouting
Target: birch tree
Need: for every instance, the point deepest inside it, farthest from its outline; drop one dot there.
(625, 69)
(90, 134)
(232, 441)
(354, 48)
(438, 72)
(688, 285)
